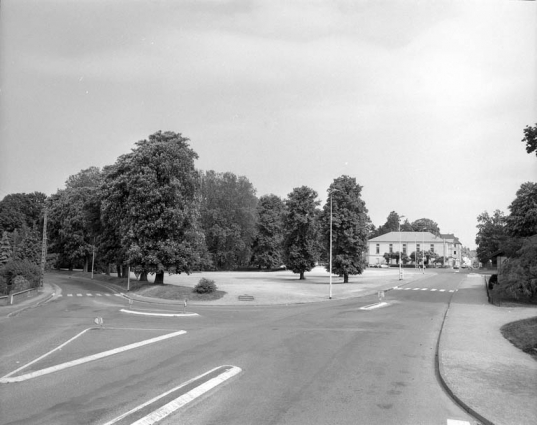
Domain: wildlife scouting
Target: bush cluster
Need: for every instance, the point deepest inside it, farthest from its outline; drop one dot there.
(24, 268)
(205, 286)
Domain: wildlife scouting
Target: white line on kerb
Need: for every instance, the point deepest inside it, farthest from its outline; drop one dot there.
(188, 396)
(5, 379)
(158, 314)
(373, 306)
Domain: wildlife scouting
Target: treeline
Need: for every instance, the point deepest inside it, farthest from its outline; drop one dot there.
(513, 236)
(154, 212)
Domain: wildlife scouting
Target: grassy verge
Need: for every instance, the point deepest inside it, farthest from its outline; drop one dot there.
(149, 289)
(522, 334)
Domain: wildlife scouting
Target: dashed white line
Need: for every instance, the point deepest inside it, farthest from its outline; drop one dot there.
(433, 290)
(457, 422)
(69, 295)
(78, 295)
(373, 306)
(158, 314)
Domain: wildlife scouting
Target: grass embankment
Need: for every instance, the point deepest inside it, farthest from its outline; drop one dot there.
(149, 289)
(522, 334)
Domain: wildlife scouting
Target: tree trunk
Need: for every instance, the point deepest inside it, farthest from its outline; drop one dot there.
(125, 272)
(118, 268)
(86, 264)
(108, 269)
(143, 276)
(71, 267)
(302, 276)
(345, 278)
(159, 278)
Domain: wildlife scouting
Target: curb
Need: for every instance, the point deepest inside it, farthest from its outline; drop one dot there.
(439, 368)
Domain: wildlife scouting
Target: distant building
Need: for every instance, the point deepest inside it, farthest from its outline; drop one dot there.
(447, 245)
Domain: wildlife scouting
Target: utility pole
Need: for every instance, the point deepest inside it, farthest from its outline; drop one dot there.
(43, 249)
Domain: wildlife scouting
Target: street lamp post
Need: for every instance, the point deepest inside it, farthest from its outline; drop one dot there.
(330, 284)
(400, 249)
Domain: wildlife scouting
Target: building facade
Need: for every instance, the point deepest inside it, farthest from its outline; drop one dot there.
(408, 242)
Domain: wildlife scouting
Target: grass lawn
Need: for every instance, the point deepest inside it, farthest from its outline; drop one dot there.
(522, 334)
(148, 289)
(175, 292)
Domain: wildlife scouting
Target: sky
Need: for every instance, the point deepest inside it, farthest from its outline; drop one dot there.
(424, 103)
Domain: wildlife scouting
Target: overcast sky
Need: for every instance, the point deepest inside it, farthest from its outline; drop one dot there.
(423, 102)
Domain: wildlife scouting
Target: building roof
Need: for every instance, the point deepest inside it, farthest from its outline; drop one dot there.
(451, 237)
(408, 237)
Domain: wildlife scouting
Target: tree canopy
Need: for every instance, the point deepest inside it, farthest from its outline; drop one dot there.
(149, 196)
(530, 138)
(426, 225)
(523, 218)
(301, 247)
(21, 209)
(267, 246)
(490, 234)
(228, 217)
(349, 227)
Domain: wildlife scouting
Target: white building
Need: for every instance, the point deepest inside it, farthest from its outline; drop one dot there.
(446, 245)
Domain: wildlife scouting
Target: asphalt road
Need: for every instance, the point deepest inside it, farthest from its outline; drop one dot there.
(323, 363)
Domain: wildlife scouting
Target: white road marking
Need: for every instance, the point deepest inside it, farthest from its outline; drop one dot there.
(117, 295)
(59, 295)
(108, 295)
(408, 289)
(416, 289)
(69, 295)
(424, 289)
(451, 290)
(433, 290)
(5, 379)
(219, 379)
(158, 314)
(78, 295)
(457, 422)
(89, 295)
(98, 295)
(441, 290)
(373, 306)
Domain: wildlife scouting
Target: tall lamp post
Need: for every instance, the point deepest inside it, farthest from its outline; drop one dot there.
(330, 285)
(400, 249)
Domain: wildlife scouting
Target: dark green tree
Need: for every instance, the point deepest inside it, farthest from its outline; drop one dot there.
(228, 218)
(426, 225)
(5, 249)
(530, 138)
(349, 227)
(491, 233)
(29, 248)
(150, 197)
(301, 246)
(21, 209)
(268, 243)
(523, 218)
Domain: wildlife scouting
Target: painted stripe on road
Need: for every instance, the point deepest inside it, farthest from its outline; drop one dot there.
(457, 422)
(182, 400)
(6, 380)
(373, 306)
(78, 295)
(158, 314)
(433, 290)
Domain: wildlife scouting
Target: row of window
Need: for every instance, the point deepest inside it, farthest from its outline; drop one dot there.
(418, 247)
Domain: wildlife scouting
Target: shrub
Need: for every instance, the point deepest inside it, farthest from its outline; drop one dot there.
(205, 286)
(24, 268)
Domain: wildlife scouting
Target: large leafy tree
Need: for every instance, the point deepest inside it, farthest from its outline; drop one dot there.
(530, 138)
(73, 218)
(150, 197)
(267, 246)
(426, 225)
(523, 218)
(349, 227)
(21, 209)
(491, 233)
(301, 247)
(228, 217)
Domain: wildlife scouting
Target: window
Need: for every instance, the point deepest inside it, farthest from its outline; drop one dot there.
(417, 247)
(378, 248)
(391, 248)
(404, 248)
(454, 252)
(432, 247)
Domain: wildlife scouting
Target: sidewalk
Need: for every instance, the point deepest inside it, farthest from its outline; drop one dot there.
(23, 302)
(483, 371)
